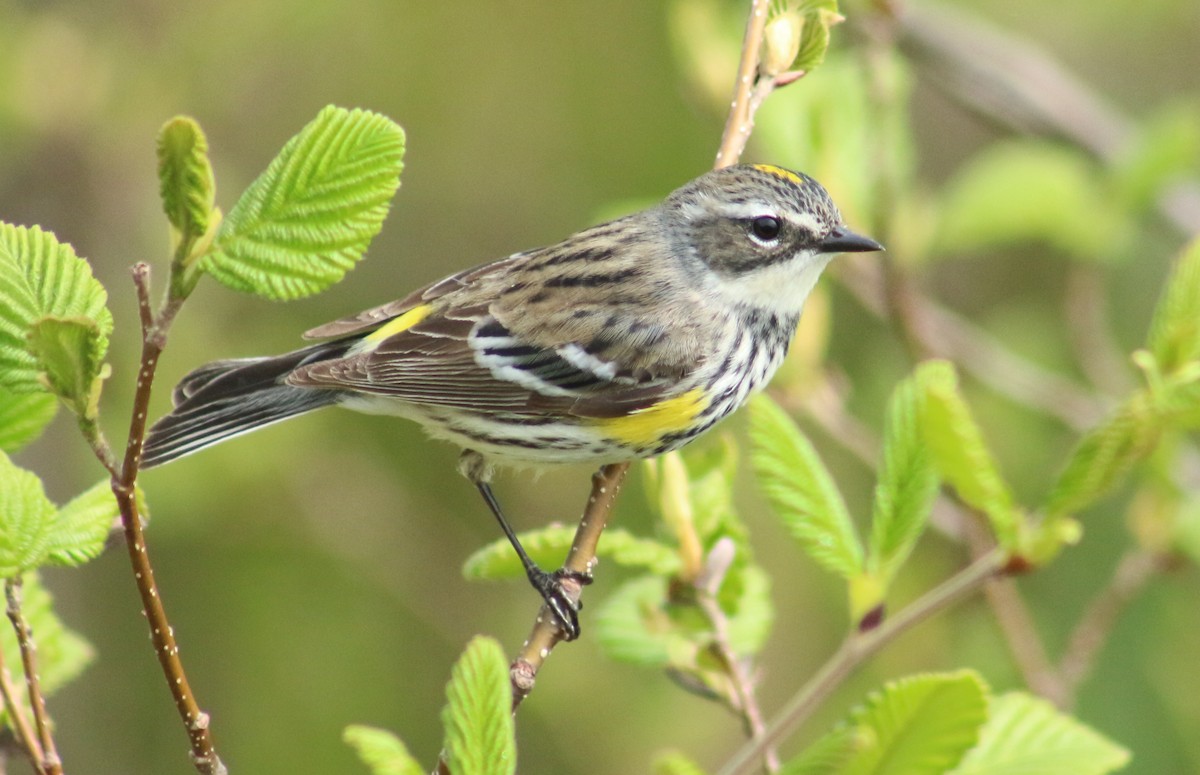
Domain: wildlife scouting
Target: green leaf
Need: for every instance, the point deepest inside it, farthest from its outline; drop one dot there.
(1027, 736)
(1166, 151)
(828, 755)
(381, 751)
(919, 725)
(907, 485)
(71, 354)
(1175, 331)
(1029, 190)
(81, 527)
(959, 452)
(801, 489)
(309, 218)
(478, 715)
(185, 177)
(26, 519)
(62, 653)
(1105, 455)
(796, 36)
(23, 417)
(675, 763)
(819, 16)
(548, 546)
(42, 278)
(752, 613)
(633, 625)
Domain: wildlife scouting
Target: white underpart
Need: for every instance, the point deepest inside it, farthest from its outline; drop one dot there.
(781, 288)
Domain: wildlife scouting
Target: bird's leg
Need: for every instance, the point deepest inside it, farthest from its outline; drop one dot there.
(548, 585)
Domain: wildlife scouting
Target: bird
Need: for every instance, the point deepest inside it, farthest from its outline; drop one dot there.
(624, 341)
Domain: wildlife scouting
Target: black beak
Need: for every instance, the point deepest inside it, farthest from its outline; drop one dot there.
(842, 240)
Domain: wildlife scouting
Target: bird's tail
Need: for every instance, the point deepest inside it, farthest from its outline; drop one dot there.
(224, 399)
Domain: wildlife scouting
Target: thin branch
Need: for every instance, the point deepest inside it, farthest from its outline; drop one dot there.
(546, 634)
(1133, 572)
(17, 718)
(51, 763)
(154, 334)
(857, 648)
(740, 122)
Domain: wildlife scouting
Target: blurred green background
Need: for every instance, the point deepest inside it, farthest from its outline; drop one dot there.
(312, 570)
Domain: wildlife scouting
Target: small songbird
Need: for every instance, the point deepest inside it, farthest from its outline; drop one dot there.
(623, 341)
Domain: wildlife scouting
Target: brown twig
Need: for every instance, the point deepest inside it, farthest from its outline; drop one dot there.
(17, 718)
(154, 334)
(51, 763)
(857, 648)
(545, 634)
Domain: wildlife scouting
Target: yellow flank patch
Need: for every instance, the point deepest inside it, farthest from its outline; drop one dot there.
(646, 426)
(780, 172)
(400, 323)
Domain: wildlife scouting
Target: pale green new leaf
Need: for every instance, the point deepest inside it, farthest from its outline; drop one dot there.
(1104, 456)
(70, 352)
(82, 526)
(1175, 332)
(1026, 735)
(802, 490)
(39, 278)
(26, 519)
(919, 725)
(819, 16)
(752, 613)
(632, 624)
(309, 218)
(1030, 190)
(548, 547)
(381, 751)
(907, 485)
(675, 763)
(959, 452)
(185, 177)
(828, 755)
(62, 654)
(23, 417)
(478, 715)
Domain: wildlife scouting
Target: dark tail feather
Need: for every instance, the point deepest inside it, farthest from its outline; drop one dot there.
(224, 399)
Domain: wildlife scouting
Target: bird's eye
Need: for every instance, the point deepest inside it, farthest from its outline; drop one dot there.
(766, 228)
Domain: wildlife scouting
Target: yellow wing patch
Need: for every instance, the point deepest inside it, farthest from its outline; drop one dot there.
(780, 172)
(646, 426)
(400, 323)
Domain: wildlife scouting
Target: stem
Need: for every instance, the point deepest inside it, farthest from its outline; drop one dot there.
(581, 559)
(17, 719)
(740, 122)
(154, 335)
(857, 648)
(49, 763)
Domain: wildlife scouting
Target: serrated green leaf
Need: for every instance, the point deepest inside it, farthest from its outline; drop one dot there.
(381, 751)
(819, 16)
(478, 715)
(1032, 190)
(796, 35)
(828, 755)
(1027, 735)
(959, 452)
(23, 417)
(548, 546)
(919, 725)
(70, 352)
(675, 763)
(802, 490)
(81, 527)
(632, 624)
(62, 653)
(908, 483)
(26, 519)
(1175, 331)
(185, 177)
(41, 278)
(309, 218)
(752, 613)
(1105, 455)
